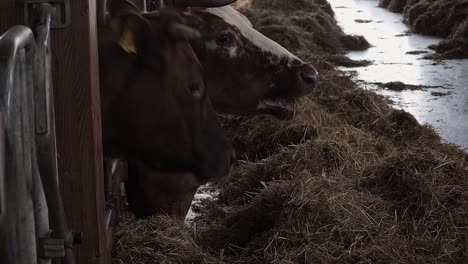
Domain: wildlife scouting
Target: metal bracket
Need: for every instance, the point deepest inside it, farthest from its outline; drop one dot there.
(53, 248)
(115, 173)
(2, 169)
(61, 17)
(50, 248)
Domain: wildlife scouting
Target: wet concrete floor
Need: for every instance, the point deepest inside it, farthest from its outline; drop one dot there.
(397, 55)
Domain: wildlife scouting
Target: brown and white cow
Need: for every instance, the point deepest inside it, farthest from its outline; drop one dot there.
(156, 112)
(247, 73)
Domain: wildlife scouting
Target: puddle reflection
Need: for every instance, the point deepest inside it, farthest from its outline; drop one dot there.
(391, 42)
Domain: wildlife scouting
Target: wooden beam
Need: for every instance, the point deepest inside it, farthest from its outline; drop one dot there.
(11, 13)
(78, 125)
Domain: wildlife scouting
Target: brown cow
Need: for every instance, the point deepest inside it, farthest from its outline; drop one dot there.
(155, 110)
(247, 73)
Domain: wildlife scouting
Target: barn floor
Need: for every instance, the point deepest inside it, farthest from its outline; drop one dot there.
(443, 18)
(436, 91)
(348, 180)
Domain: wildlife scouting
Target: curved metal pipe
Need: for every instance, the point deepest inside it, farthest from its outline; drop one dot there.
(15, 54)
(16, 38)
(2, 169)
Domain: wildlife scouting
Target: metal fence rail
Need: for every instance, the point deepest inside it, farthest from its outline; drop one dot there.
(16, 76)
(32, 221)
(61, 238)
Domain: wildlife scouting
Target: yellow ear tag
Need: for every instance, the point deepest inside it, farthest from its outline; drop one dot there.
(127, 42)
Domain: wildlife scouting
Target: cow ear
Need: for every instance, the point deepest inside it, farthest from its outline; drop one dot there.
(133, 30)
(127, 41)
(182, 32)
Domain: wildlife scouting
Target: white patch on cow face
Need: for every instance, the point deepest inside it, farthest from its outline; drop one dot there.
(235, 18)
(233, 52)
(211, 45)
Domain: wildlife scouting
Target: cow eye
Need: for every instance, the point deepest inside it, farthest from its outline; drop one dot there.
(223, 39)
(195, 90)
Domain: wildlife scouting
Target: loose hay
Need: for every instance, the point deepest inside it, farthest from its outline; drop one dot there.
(348, 196)
(340, 60)
(159, 239)
(348, 180)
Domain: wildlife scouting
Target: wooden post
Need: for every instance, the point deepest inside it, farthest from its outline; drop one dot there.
(78, 125)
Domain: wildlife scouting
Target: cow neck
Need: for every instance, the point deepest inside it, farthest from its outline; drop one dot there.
(164, 167)
(150, 163)
(137, 67)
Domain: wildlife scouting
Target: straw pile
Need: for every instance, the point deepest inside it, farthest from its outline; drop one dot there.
(348, 180)
(160, 239)
(443, 18)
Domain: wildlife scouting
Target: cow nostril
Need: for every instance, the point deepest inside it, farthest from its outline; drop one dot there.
(309, 78)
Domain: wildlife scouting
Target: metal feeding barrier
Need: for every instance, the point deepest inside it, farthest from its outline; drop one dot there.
(115, 170)
(32, 219)
(152, 5)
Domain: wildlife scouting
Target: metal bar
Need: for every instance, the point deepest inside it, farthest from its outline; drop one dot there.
(45, 129)
(2, 169)
(40, 209)
(101, 9)
(109, 175)
(115, 173)
(120, 175)
(152, 5)
(27, 103)
(18, 139)
(19, 225)
(109, 215)
(36, 107)
(16, 38)
(5, 250)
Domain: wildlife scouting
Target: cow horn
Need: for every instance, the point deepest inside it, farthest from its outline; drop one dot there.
(200, 3)
(180, 31)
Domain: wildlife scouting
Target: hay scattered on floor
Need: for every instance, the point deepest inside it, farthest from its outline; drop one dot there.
(348, 180)
(345, 198)
(400, 86)
(160, 239)
(341, 60)
(443, 18)
(456, 46)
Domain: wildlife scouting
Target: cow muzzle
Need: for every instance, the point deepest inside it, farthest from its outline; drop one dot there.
(307, 79)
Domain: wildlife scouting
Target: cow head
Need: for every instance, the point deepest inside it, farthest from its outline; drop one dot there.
(155, 110)
(150, 190)
(247, 73)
